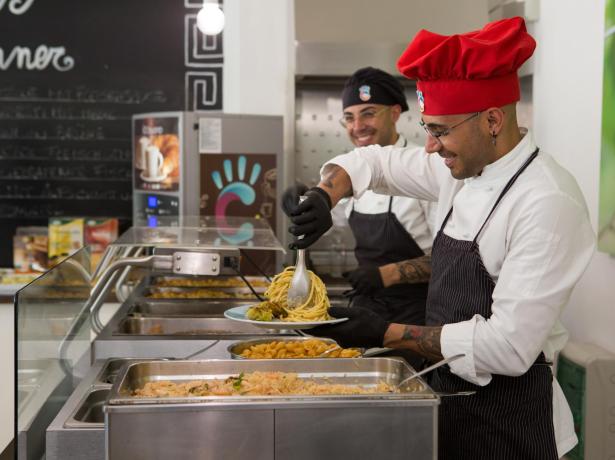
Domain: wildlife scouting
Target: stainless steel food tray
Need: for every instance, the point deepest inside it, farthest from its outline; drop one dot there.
(365, 372)
(237, 348)
(156, 326)
(391, 426)
(238, 293)
(185, 308)
(215, 282)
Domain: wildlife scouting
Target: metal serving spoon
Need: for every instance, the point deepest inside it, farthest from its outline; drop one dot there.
(429, 369)
(300, 284)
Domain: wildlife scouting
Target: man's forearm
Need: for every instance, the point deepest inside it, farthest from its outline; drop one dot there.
(423, 340)
(411, 271)
(336, 182)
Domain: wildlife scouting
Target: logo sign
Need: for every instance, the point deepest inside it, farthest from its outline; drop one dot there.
(421, 99)
(364, 93)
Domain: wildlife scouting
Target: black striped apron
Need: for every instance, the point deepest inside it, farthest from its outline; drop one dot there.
(511, 417)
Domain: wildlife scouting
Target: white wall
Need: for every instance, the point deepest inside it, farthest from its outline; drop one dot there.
(567, 122)
(392, 21)
(259, 65)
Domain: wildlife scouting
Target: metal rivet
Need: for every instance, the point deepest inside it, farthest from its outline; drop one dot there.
(177, 269)
(214, 258)
(179, 257)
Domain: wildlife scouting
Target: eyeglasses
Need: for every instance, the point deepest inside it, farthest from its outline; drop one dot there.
(366, 116)
(441, 132)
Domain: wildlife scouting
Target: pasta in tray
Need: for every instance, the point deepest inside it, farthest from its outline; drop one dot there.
(257, 384)
(311, 348)
(315, 308)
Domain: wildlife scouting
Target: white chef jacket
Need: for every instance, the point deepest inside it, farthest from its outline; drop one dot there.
(536, 246)
(416, 216)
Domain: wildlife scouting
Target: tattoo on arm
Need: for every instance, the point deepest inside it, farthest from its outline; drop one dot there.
(420, 339)
(416, 270)
(328, 181)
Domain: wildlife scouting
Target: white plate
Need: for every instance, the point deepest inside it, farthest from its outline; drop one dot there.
(239, 314)
(159, 178)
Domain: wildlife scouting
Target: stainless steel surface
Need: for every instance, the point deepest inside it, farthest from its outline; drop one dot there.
(110, 343)
(78, 431)
(299, 289)
(188, 326)
(91, 410)
(104, 283)
(235, 349)
(122, 288)
(197, 263)
(280, 427)
(442, 362)
(110, 371)
(190, 308)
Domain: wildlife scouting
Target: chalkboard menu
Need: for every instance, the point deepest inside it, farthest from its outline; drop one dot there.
(72, 73)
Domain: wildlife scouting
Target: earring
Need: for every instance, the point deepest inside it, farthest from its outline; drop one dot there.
(493, 137)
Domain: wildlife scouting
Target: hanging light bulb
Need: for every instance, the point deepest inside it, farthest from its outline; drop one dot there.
(210, 20)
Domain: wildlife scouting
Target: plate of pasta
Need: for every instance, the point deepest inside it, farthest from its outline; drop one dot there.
(239, 314)
(274, 313)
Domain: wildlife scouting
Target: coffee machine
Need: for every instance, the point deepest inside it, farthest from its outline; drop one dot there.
(188, 164)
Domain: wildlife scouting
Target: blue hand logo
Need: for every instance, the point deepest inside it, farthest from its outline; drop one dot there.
(235, 191)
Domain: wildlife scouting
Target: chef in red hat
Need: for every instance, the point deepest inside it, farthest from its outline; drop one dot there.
(514, 238)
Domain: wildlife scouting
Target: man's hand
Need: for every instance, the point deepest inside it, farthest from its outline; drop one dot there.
(311, 218)
(364, 280)
(290, 197)
(364, 328)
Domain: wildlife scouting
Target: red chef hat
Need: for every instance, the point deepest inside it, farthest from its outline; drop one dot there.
(467, 72)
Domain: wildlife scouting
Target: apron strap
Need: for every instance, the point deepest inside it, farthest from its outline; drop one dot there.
(450, 211)
(506, 189)
(390, 203)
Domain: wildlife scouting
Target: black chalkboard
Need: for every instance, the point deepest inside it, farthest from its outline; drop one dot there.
(72, 73)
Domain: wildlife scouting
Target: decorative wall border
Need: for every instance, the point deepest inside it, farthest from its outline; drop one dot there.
(203, 89)
(204, 62)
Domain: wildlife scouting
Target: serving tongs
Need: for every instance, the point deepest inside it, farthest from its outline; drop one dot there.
(442, 362)
(300, 284)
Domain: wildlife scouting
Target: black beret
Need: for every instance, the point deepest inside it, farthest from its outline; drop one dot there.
(375, 86)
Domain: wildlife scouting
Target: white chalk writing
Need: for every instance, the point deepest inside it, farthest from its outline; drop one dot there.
(17, 7)
(39, 59)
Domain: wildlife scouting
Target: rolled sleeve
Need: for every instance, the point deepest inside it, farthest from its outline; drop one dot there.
(357, 168)
(391, 170)
(458, 338)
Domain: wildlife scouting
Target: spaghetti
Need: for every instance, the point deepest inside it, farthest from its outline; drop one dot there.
(313, 309)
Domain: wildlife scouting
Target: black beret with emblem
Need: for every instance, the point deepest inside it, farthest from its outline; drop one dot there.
(373, 86)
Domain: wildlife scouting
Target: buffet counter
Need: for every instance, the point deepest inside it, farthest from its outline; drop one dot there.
(81, 375)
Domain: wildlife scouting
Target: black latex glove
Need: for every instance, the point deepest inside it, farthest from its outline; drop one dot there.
(311, 218)
(364, 328)
(364, 280)
(290, 197)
